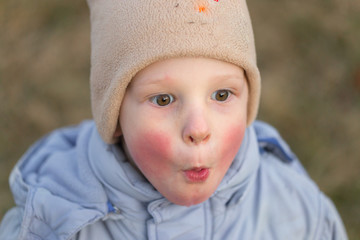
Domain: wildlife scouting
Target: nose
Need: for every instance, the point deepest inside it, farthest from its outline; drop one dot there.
(196, 129)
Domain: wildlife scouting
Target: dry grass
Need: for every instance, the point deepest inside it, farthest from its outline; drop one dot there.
(308, 54)
(309, 57)
(44, 70)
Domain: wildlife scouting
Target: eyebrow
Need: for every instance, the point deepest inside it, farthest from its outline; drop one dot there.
(154, 81)
(217, 79)
(145, 83)
(223, 77)
(149, 82)
(220, 77)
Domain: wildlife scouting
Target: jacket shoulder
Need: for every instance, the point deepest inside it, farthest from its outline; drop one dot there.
(270, 142)
(49, 184)
(292, 197)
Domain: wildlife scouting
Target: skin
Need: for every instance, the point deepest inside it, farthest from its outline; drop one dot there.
(195, 130)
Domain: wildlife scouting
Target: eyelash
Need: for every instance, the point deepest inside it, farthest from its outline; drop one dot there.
(228, 92)
(155, 99)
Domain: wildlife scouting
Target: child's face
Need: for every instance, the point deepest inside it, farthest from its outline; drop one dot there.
(183, 121)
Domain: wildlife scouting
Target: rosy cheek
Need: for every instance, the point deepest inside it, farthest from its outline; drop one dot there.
(230, 144)
(151, 152)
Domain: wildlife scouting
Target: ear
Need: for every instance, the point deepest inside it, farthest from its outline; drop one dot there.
(117, 132)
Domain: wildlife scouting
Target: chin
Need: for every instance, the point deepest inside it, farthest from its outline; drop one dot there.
(189, 201)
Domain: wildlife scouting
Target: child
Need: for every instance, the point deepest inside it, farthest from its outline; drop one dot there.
(173, 152)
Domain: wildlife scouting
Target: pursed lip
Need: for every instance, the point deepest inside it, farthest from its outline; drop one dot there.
(197, 174)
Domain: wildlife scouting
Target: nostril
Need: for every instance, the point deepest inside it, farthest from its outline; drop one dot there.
(196, 140)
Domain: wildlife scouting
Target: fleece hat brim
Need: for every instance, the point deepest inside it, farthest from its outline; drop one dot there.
(127, 36)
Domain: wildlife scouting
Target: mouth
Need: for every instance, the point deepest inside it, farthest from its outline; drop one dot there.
(197, 175)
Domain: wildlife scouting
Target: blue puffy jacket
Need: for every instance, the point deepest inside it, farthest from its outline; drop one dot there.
(71, 185)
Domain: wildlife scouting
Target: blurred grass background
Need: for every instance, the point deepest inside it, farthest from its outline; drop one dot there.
(308, 55)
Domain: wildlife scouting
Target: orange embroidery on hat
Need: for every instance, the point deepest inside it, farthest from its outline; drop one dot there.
(202, 9)
(202, 6)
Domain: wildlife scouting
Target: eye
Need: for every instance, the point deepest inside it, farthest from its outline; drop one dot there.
(162, 99)
(221, 95)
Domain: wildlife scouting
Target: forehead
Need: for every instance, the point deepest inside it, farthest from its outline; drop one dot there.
(180, 69)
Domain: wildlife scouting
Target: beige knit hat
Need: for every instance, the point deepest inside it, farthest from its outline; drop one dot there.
(128, 35)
